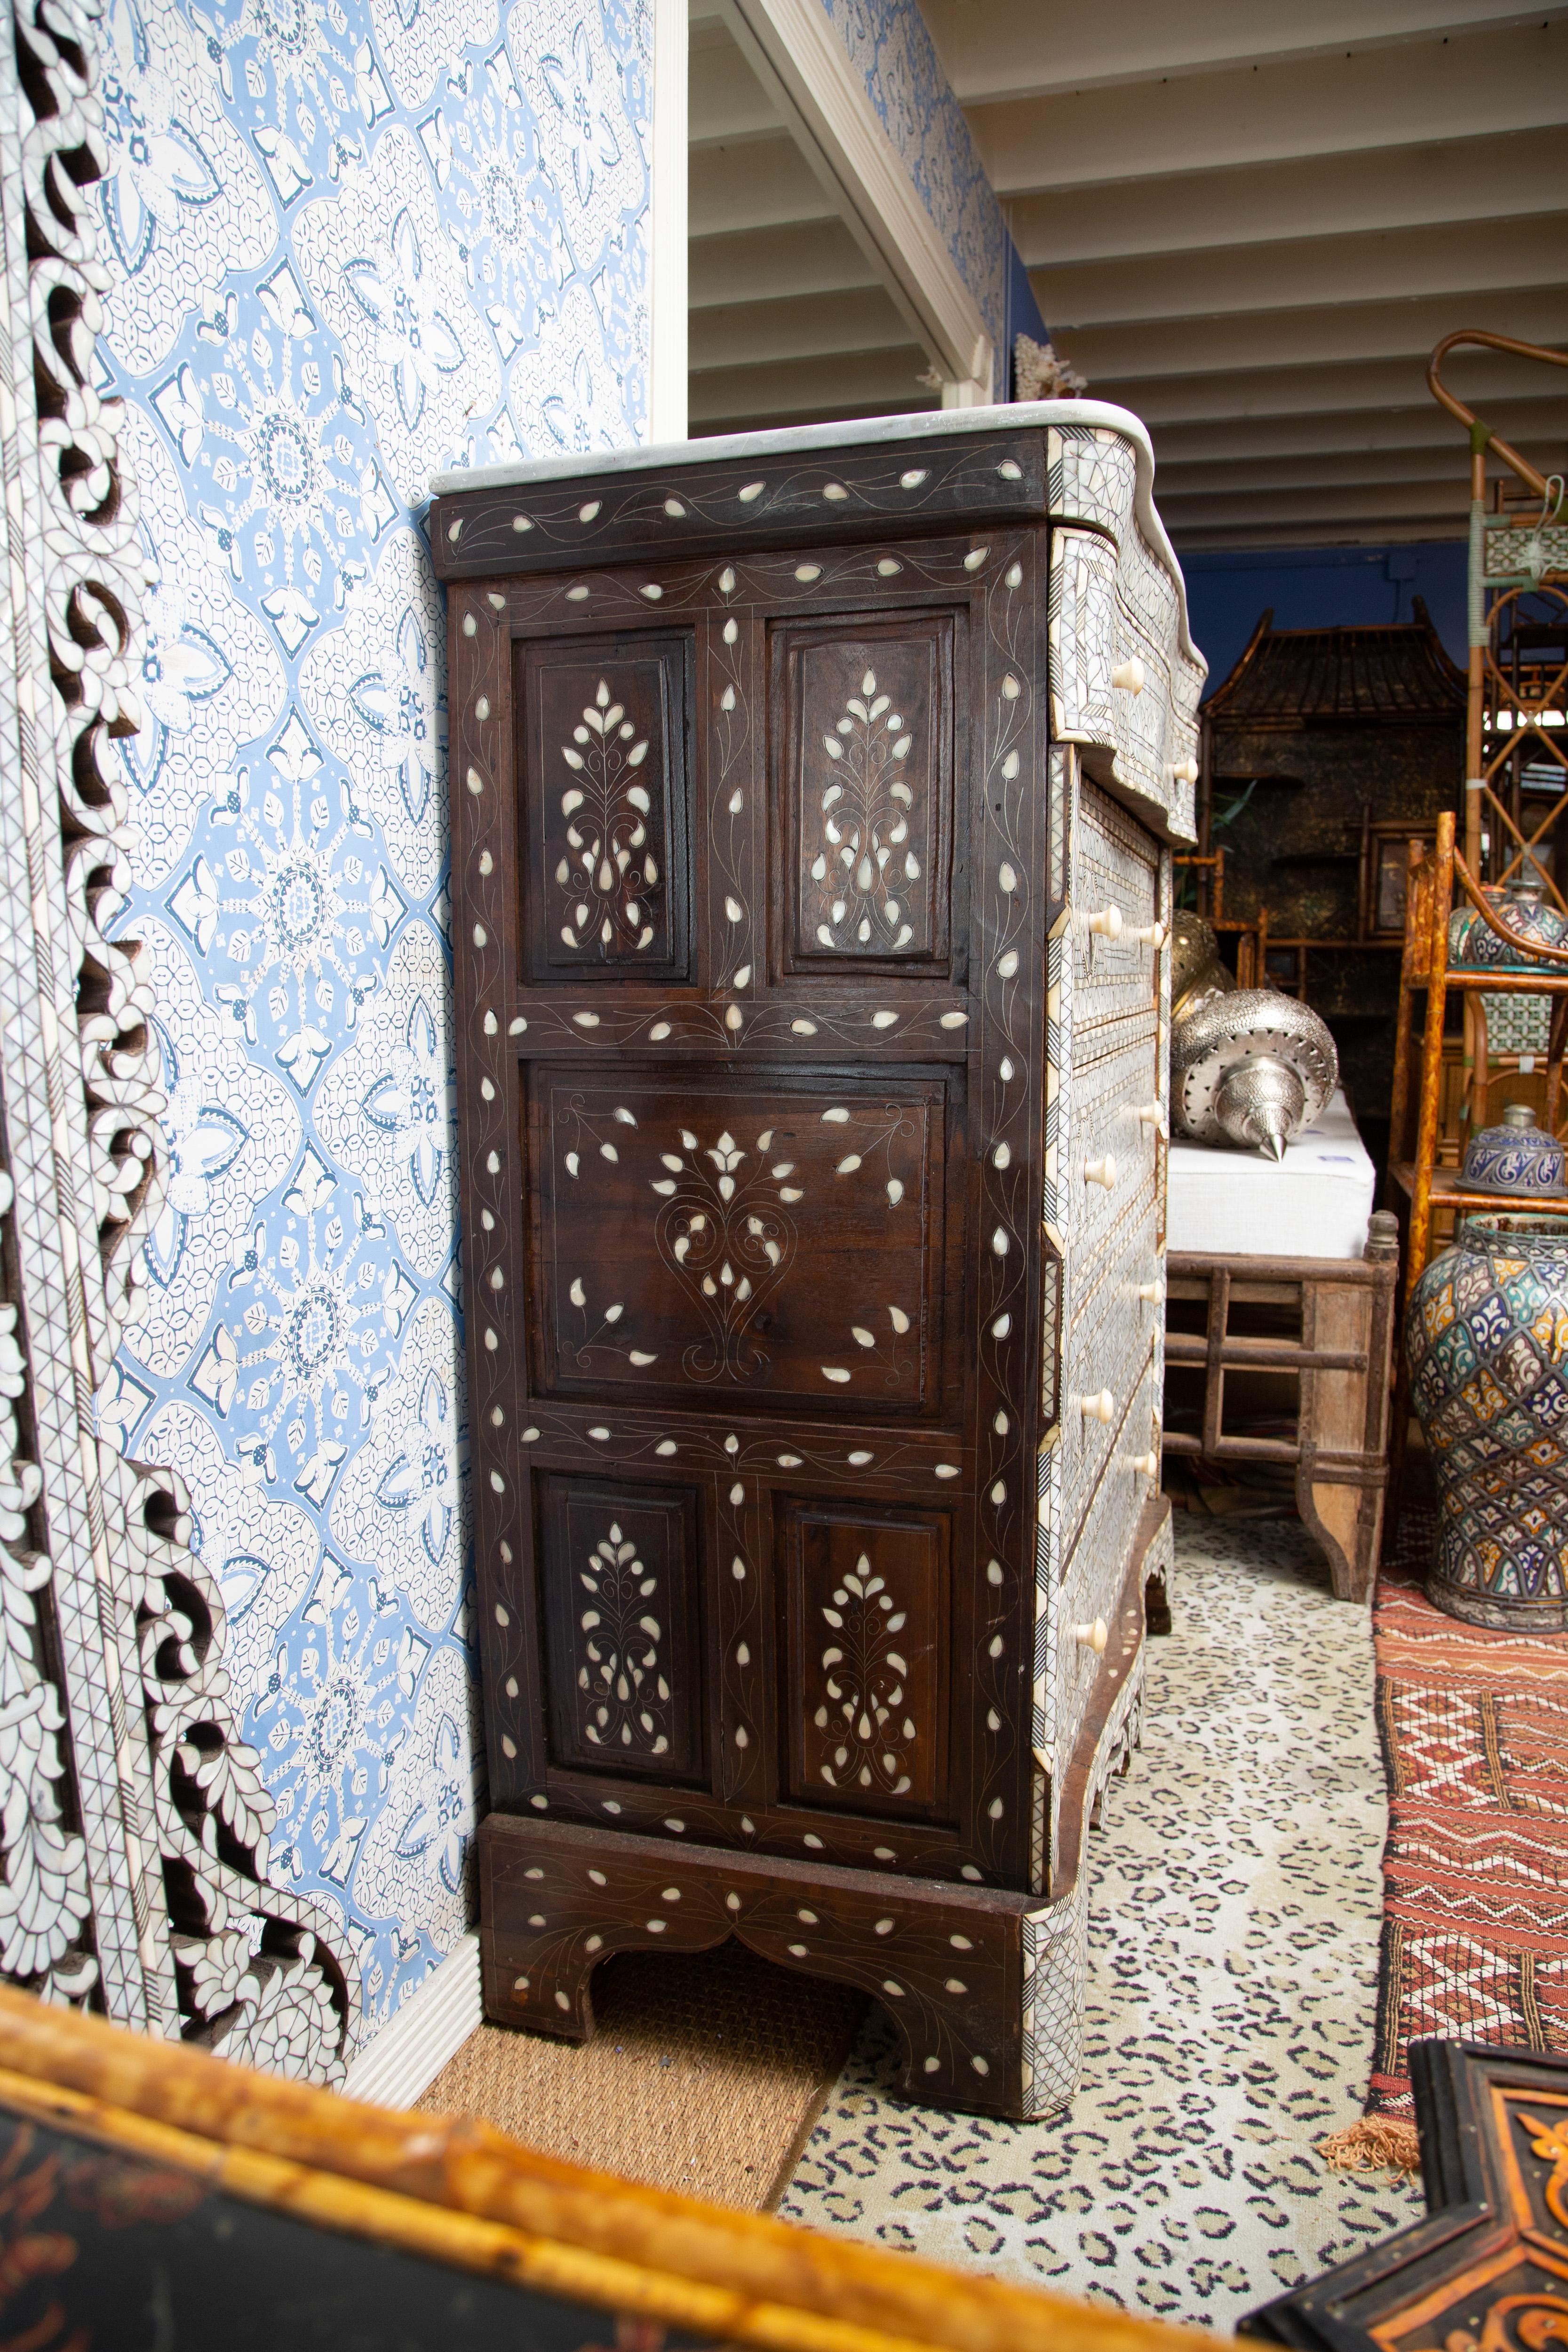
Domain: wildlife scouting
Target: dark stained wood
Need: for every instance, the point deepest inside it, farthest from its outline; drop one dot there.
(756, 1238)
(864, 795)
(1488, 2266)
(865, 1671)
(752, 1177)
(706, 509)
(948, 1963)
(620, 1572)
(607, 790)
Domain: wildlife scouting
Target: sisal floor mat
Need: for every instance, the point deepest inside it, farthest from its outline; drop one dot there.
(707, 2074)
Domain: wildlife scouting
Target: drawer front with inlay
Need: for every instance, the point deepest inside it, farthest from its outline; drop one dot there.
(1115, 902)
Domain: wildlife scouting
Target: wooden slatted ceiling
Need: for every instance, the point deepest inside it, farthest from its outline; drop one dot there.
(1248, 224)
(1251, 224)
(789, 323)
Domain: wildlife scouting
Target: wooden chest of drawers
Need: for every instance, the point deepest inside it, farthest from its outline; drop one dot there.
(810, 800)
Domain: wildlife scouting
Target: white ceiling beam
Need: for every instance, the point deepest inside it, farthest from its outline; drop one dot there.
(1474, 84)
(994, 49)
(759, 183)
(1408, 187)
(751, 334)
(1433, 502)
(1321, 432)
(797, 54)
(1313, 388)
(1385, 266)
(1392, 530)
(1331, 470)
(725, 99)
(1355, 330)
(1313, 535)
(817, 387)
(810, 257)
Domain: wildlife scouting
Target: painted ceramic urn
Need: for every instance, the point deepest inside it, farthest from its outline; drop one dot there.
(1517, 1156)
(1524, 907)
(1487, 1341)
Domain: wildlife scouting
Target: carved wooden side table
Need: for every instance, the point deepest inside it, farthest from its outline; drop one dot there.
(810, 802)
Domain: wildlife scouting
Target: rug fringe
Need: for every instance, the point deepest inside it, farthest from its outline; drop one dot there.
(1375, 2140)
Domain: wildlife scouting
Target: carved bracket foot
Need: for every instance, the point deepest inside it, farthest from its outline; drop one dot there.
(946, 1963)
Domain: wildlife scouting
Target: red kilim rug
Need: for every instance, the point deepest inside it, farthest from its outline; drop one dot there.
(1475, 1920)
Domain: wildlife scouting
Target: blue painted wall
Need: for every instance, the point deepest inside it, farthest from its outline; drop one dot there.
(887, 40)
(1318, 588)
(350, 242)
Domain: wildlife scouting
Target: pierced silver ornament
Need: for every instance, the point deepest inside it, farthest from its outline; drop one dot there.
(1251, 1068)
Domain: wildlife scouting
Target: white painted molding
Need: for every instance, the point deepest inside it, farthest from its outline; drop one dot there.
(667, 225)
(804, 64)
(431, 2027)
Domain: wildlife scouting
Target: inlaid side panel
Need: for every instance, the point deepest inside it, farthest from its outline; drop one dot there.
(864, 788)
(604, 781)
(738, 1238)
(865, 1641)
(621, 1605)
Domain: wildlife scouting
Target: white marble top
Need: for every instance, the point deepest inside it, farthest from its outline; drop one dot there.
(856, 432)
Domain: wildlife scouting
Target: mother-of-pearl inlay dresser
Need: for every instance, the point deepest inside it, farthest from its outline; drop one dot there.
(810, 798)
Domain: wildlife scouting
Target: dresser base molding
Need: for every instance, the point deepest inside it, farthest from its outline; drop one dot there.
(984, 1985)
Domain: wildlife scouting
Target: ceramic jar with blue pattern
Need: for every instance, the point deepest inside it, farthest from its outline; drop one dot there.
(1487, 1342)
(1524, 907)
(1517, 1156)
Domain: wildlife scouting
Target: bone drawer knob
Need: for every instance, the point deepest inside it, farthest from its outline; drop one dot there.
(1186, 771)
(1154, 1292)
(1093, 1637)
(1148, 1464)
(1101, 1171)
(1100, 1408)
(1152, 935)
(1107, 923)
(1152, 1113)
(1128, 676)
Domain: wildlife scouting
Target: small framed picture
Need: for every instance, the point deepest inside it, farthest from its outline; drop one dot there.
(1387, 873)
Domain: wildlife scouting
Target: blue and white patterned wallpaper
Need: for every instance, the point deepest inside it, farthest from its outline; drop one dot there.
(914, 99)
(351, 241)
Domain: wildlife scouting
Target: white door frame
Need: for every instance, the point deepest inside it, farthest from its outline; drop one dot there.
(800, 61)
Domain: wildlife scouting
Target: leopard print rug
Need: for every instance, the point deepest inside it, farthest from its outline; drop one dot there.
(1236, 1902)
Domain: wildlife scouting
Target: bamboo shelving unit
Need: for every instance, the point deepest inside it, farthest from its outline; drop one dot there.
(1422, 1187)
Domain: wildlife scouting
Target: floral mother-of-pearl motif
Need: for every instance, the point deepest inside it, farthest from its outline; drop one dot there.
(879, 1350)
(624, 1691)
(864, 859)
(600, 1330)
(865, 1686)
(726, 1231)
(612, 872)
